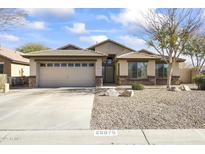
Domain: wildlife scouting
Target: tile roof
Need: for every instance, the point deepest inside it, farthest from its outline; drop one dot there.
(72, 53)
(12, 55)
(137, 55)
(145, 54)
(109, 40)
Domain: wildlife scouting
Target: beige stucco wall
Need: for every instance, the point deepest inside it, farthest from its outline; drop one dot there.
(151, 68)
(111, 48)
(185, 71)
(33, 67)
(176, 69)
(19, 70)
(123, 70)
(98, 67)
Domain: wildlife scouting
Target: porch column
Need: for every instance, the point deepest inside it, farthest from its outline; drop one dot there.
(98, 73)
(151, 71)
(122, 72)
(33, 78)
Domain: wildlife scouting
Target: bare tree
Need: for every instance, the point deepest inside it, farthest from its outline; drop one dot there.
(10, 18)
(168, 31)
(195, 49)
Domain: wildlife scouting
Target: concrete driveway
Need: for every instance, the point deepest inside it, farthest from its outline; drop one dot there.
(46, 109)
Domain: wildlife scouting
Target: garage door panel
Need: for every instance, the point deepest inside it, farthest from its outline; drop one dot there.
(66, 76)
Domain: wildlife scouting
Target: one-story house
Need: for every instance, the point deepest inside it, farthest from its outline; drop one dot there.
(13, 64)
(104, 62)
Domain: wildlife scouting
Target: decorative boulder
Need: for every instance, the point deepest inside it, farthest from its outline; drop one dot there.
(185, 88)
(112, 92)
(127, 93)
(175, 89)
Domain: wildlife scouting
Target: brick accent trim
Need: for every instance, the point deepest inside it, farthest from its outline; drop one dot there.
(32, 82)
(175, 81)
(124, 80)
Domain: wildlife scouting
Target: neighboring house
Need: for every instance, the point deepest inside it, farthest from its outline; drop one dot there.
(13, 64)
(105, 62)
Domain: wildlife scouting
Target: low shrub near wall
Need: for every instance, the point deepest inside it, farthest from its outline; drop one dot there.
(3, 80)
(200, 81)
(137, 86)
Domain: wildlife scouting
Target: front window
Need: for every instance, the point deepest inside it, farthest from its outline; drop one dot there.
(91, 65)
(84, 64)
(56, 65)
(161, 71)
(109, 61)
(77, 64)
(70, 65)
(42, 65)
(137, 70)
(49, 65)
(63, 65)
(1, 68)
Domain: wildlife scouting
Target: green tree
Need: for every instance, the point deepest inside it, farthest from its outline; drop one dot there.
(168, 31)
(31, 47)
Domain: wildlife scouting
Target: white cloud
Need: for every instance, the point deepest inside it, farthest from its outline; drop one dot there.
(39, 25)
(130, 16)
(55, 12)
(104, 30)
(102, 17)
(78, 28)
(93, 39)
(9, 37)
(132, 40)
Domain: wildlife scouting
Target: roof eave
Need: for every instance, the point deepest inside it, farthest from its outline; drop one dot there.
(14, 61)
(35, 56)
(20, 62)
(124, 58)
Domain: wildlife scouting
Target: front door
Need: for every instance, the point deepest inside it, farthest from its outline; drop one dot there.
(109, 74)
(108, 71)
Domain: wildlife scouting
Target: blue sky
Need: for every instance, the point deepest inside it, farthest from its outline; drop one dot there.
(82, 27)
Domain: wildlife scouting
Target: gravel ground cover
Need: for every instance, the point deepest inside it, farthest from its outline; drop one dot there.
(150, 109)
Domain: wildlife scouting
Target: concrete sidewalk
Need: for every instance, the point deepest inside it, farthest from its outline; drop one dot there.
(142, 137)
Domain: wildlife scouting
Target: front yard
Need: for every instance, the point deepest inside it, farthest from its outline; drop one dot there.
(150, 109)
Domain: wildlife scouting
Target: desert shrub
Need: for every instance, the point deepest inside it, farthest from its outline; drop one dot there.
(137, 86)
(200, 81)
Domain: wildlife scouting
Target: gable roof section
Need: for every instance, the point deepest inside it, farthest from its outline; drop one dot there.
(137, 55)
(109, 40)
(13, 56)
(69, 47)
(144, 54)
(64, 53)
